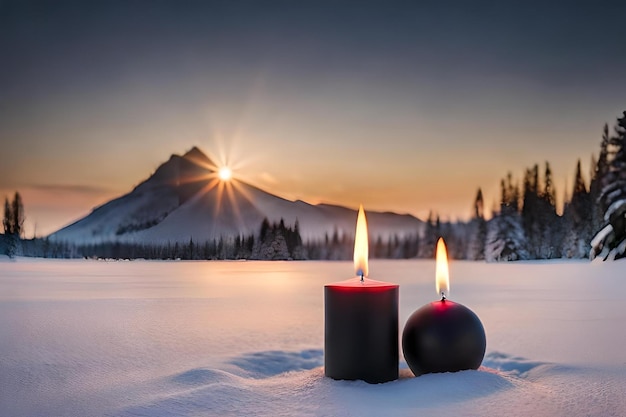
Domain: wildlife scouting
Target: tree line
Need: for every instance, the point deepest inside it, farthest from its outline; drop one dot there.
(526, 225)
(274, 241)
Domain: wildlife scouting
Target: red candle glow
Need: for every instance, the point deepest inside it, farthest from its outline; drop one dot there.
(361, 322)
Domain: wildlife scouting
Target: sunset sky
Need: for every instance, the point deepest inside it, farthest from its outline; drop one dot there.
(401, 106)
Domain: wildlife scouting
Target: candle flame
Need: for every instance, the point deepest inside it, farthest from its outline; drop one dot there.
(441, 270)
(361, 247)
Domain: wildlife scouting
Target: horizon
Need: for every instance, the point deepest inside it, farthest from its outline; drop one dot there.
(403, 108)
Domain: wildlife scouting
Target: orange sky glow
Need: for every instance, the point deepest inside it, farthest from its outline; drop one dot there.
(408, 109)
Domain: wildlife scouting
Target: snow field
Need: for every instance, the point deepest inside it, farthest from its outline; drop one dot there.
(245, 338)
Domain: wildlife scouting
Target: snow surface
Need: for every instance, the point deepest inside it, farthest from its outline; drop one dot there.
(93, 338)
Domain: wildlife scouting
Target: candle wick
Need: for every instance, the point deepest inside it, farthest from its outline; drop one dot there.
(443, 296)
(362, 279)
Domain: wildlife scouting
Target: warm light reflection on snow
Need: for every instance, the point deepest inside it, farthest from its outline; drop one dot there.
(441, 270)
(361, 245)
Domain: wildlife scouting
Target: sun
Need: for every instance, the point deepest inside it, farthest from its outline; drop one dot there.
(225, 173)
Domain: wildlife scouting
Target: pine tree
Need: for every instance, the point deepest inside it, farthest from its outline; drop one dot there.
(579, 183)
(13, 224)
(191, 249)
(296, 248)
(600, 169)
(549, 193)
(296, 231)
(7, 220)
(265, 226)
(17, 211)
(477, 230)
(530, 211)
(429, 238)
(577, 219)
(539, 218)
(479, 205)
(610, 241)
(551, 238)
(379, 248)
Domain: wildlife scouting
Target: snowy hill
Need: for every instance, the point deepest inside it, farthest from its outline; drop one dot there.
(184, 199)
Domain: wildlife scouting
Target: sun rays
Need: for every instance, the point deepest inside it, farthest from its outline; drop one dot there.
(222, 180)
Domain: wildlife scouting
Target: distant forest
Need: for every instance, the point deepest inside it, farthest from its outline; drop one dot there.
(525, 226)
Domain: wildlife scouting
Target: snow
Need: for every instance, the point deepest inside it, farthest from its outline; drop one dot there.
(139, 338)
(597, 243)
(614, 207)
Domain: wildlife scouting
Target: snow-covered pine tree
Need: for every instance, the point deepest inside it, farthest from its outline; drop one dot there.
(506, 240)
(273, 242)
(277, 249)
(610, 242)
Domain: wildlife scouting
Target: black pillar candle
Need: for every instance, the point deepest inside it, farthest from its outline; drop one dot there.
(361, 322)
(361, 330)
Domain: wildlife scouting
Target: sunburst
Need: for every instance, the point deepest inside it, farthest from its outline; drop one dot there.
(225, 173)
(223, 177)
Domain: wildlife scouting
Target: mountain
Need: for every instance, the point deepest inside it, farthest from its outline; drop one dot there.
(184, 199)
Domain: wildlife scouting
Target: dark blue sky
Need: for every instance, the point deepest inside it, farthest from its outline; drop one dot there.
(299, 93)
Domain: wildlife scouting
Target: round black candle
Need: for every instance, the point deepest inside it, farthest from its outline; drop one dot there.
(361, 322)
(443, 336)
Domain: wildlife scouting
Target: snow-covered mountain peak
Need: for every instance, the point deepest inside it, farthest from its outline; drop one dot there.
(182, 200)
(196, 155)
(193, 165)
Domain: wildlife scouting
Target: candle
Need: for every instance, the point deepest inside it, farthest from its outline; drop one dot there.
(443, 336)
(361, 322)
